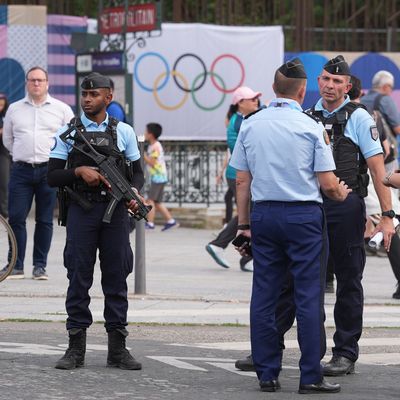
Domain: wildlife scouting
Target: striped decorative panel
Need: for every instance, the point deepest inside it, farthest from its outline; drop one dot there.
(61, 56)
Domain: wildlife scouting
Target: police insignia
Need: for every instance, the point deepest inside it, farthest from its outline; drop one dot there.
(326, 137)
(54, 144)
(374, 132)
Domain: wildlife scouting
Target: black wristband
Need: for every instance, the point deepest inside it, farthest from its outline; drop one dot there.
(243, 227)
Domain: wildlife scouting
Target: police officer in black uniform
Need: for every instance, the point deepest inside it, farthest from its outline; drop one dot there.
(86, 231)
(355, 146)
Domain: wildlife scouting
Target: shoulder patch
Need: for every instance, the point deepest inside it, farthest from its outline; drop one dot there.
(314, 117)
(251, 114)
(374, 132)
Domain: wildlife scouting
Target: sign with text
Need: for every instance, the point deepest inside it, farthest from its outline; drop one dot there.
(140, 17)
(103, 62)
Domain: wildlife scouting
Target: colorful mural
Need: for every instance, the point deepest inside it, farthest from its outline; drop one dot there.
(29, 37)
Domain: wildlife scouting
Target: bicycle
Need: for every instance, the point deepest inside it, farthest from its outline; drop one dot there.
(8, 248)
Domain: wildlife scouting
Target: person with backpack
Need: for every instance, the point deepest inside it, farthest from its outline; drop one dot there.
(384, 109)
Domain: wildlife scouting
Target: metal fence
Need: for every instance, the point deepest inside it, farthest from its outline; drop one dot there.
(192, 168)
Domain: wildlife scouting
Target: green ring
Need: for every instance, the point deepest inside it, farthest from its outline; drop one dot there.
(192, 91)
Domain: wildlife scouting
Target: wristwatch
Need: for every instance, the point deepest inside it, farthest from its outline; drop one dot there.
(390, 214)
(243, 227)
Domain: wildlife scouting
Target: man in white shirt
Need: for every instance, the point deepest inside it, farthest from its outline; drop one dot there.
(28, 134)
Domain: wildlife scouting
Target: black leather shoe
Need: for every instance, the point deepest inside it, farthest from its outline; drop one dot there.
(245, 364)
(270, 386)
(338, 366)
(322, 387)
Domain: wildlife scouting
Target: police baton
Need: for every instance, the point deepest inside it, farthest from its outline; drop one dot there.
(140, 248)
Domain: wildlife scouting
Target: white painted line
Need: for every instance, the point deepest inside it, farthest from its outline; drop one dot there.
(178, 363)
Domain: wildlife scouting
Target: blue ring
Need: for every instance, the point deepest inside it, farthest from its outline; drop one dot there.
(135, 74)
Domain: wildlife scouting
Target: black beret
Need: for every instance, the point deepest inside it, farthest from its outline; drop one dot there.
(293, 69)
(95, 81)
(337, 66)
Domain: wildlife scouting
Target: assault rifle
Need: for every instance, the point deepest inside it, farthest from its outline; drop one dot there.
(120, 187)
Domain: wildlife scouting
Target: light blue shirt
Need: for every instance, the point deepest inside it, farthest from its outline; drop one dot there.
(283, 148)
(126, 139)
(358, 128)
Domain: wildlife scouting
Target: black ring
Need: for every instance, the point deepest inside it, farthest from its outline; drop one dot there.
(201, 84)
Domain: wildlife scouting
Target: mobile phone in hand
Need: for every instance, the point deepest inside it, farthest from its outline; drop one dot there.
(241, 240)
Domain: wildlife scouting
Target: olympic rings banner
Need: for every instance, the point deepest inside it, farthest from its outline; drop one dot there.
(185, 78)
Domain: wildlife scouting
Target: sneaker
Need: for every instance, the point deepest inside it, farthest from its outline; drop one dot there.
(148, 226)
(39, 274)
(15, 273)
(170, 225)
(396, 294)
(246, 266)
(217, 253)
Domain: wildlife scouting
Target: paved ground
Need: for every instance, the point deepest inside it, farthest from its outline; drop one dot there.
(184, 286)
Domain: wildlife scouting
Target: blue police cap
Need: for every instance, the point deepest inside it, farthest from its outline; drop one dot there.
(337, 66)
(293, 69)
(95, 81)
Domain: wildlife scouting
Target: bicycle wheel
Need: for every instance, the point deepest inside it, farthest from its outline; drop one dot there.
(8, 248)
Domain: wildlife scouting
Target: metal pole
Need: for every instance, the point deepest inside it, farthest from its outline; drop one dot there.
(140, 244)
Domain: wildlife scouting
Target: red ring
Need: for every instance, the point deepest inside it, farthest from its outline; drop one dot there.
(213, 76)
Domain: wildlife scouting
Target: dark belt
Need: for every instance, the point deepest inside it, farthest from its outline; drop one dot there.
(33, 165)
(288, 203)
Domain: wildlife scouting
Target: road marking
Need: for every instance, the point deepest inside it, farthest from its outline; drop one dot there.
(178, 363)
(42, 349)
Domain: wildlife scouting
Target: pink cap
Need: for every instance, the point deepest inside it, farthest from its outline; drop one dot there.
(244, 93)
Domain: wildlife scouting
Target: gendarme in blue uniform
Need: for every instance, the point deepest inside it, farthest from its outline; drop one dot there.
(86, 233)
(283, 149)
(346, 225)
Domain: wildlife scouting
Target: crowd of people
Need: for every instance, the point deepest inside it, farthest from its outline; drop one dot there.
(303, 181)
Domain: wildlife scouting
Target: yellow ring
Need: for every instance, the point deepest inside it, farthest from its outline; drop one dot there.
(157, 99)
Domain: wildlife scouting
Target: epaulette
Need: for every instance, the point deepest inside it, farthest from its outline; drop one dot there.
(314, 117)
(252, 113)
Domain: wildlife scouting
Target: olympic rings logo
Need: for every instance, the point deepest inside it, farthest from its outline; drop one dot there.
(181, 82)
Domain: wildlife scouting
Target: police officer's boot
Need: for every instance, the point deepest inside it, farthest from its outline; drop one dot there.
(118, 355)
(74, 357)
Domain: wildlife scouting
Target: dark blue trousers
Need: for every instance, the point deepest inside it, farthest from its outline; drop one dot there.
(346, 226)
(26, 183)
(86, 233)
(287, 238)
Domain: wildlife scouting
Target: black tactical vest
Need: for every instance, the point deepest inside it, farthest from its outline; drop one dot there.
(351, 166)
(103, 142)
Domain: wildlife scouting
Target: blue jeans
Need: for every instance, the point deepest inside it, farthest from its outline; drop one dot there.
(26, 182)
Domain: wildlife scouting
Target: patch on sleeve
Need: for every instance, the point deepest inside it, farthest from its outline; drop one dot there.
(374, 132)
(54, 144)
(326, 137)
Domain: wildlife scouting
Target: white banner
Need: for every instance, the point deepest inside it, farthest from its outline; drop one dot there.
(185, 78)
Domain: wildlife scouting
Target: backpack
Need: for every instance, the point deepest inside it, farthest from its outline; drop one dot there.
(383, 127)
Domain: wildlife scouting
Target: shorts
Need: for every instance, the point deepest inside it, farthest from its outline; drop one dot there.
(156, 192)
